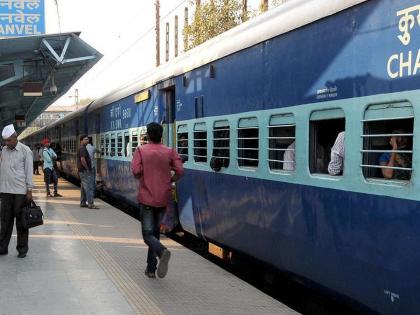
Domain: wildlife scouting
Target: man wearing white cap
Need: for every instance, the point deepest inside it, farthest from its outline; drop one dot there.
(15, 188)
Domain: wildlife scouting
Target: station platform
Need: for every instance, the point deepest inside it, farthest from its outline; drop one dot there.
(85, 261)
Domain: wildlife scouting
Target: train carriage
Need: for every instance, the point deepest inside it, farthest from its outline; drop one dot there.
(255, 112)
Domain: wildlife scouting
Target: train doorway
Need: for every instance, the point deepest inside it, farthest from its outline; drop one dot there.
(168, 95)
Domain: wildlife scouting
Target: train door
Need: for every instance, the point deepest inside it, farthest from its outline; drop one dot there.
(167, 90)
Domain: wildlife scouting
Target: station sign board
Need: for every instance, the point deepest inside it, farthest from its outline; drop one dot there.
(22, 18)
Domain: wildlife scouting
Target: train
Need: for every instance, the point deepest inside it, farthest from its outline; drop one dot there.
(298, 74)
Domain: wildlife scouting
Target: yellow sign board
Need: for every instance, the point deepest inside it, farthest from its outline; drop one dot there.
(140, 97)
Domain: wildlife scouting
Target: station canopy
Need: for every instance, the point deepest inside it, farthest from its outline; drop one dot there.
(37, 70)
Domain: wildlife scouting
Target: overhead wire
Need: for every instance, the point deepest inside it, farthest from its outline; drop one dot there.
(106, 67)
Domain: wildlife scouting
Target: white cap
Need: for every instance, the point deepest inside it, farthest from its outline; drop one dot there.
(8, 131)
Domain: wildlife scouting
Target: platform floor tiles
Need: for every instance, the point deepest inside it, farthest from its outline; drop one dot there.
(84, 261)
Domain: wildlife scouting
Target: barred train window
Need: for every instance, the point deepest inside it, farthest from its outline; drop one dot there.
(108, 149)
(221, 144)
(200, 142)
(134, 141)
(325, 125)
(281, 142)
(119, 144)
(182, 142)
(127, 143)
(112, 146)
(102, 145)
(248, 145)
(388, 141)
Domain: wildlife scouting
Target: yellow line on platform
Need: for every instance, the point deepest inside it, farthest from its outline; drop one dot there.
(136, 297)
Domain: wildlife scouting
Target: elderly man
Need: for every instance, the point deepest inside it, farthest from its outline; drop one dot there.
(16, 166)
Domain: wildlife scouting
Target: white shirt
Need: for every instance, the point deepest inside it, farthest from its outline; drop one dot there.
(335, 167)
(16, 167)
(91, 150)
(289, 156)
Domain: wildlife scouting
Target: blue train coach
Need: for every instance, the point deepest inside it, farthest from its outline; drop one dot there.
(255, 113)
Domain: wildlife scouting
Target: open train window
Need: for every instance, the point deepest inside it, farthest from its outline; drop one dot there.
(281, 142)
(134, 141)
(200, 142)
(182, 142)
(248, 144)
(388, 141)
(119, 144)
(126, 144)
(325, 127)
(102, 145)
(221, 145)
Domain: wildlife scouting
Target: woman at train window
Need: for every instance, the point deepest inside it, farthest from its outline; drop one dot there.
(394, 159)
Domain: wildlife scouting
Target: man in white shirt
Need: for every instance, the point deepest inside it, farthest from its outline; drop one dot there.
(16, 167)
(335, 167)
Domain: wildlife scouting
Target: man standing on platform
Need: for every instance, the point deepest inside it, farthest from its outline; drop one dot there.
(16, 167)
(84, 165)
(152, 165)
(49, 156)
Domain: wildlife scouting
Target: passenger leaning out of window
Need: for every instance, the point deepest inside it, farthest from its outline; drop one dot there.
(336, 165)
(397, 159)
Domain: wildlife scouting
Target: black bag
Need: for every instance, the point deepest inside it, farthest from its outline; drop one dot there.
(32, 215)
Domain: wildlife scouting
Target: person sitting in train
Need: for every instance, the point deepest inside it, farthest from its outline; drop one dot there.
(183, 148)
(289, 157)
(143, 140)
(335, 167)
(397, 159)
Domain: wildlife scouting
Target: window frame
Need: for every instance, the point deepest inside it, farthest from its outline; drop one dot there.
(239, 148)
(286, 120)
(196, 148)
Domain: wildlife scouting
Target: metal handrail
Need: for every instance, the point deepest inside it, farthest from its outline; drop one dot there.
(387, 135)
(387, 167)
(215, 130)
(221, 157)
(281, 138)
(201, 156)
(221, 148)
(270, 149)
(250, 149)
(281, 126)
(247, 128)
(220, 139)
(249, 159)
(253, 138)
(282, 161)
(387, 151)
(382, 119)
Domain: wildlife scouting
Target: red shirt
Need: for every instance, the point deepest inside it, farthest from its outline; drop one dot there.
(152, 164)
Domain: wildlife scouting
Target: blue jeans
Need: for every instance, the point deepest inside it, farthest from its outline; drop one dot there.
(150, 228)
(48, 176)
(86, 188)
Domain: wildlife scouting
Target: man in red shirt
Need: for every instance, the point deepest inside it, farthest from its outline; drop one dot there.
(152, 165)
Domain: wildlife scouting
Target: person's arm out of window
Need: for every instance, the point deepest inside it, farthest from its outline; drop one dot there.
(137, 164)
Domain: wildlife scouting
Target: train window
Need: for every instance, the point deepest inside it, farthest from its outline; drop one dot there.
(112, 145)
(388, 141)
(182, 142)
(248, 144)
(200, 142)
(119, 144)
(134, 141)
(326, 127)
(102, 145)
(107, 145)
(281, 142)
(127, 143)
(221, 145)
